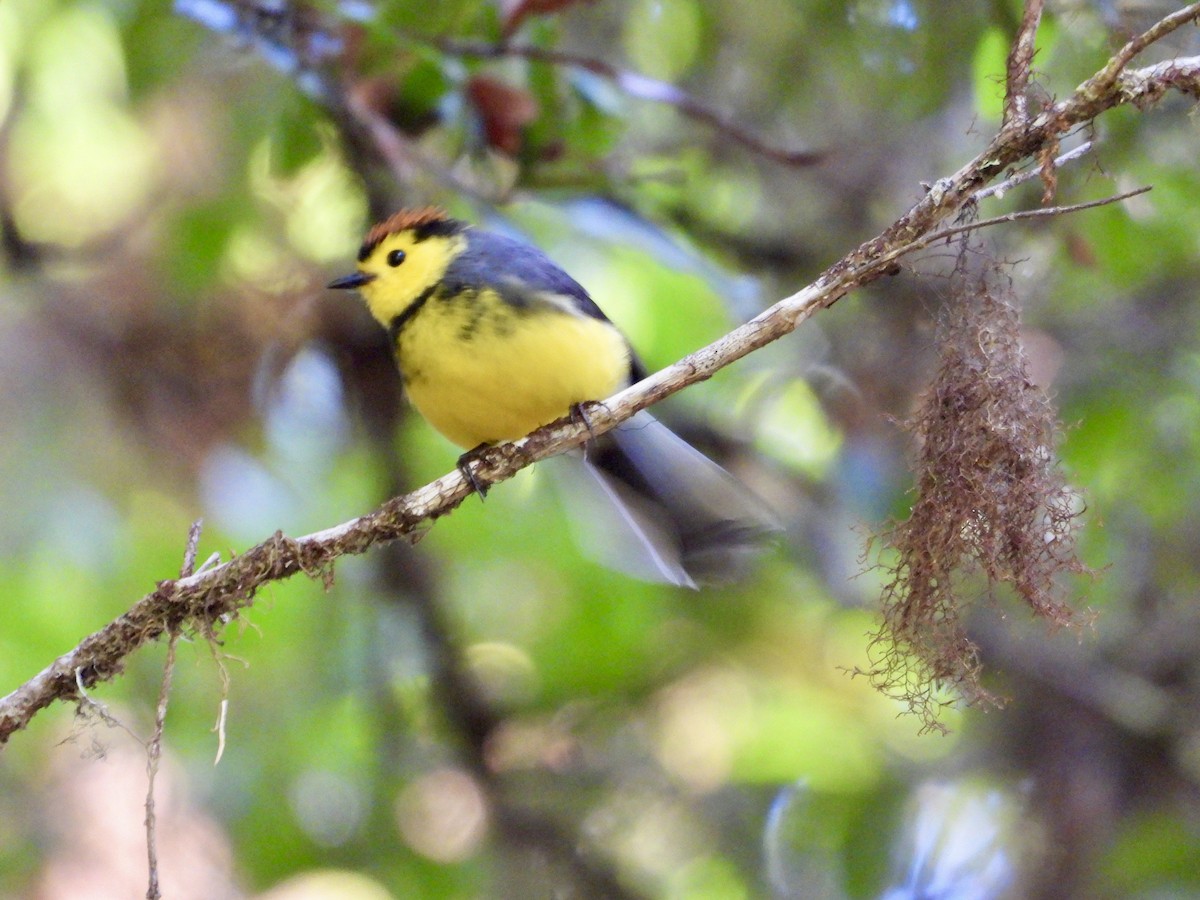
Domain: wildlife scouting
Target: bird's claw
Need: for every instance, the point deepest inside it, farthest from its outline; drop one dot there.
(464, 466)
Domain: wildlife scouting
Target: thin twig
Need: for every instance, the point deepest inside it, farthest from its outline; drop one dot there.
(1043, 213)
(204, 600)
(154, 746)
(641, 87)
(193, 544)
(1001, 188)
(1107, 77)
(153, 756)
(1020, 63)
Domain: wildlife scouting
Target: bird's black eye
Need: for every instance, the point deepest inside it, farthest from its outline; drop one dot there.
(395, 258)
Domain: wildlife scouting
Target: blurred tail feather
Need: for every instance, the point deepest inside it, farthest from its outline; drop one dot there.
(671, 514)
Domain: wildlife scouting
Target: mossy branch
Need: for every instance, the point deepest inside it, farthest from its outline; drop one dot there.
(204, 601)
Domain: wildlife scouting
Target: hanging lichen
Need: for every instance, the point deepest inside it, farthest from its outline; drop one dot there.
(990, 500)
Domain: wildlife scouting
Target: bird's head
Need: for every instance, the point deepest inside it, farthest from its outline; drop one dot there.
(402, 257)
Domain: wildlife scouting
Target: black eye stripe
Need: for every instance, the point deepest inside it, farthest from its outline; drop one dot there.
(395, 258)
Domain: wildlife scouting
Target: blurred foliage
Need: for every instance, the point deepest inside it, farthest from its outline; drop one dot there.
(176, 187)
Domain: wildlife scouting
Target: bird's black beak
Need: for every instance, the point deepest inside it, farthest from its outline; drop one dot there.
(346, 282)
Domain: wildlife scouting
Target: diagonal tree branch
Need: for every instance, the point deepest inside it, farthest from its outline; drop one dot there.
(203, 601)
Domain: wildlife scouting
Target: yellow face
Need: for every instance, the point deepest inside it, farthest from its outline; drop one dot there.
(401, 268)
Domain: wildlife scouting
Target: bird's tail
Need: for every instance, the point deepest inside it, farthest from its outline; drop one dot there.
(679, 517)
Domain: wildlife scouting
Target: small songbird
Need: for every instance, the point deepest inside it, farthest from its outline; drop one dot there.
(493, 340)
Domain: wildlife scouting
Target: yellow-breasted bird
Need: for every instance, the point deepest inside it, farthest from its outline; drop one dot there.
(494, 340)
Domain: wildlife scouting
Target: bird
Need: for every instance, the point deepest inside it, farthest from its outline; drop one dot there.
(493, 340)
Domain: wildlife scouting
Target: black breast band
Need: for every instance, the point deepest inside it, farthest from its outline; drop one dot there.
(397, 324)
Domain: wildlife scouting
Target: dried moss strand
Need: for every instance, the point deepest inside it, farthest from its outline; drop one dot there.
(990, 501)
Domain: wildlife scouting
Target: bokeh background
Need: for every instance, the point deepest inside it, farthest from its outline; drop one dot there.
(489, 713)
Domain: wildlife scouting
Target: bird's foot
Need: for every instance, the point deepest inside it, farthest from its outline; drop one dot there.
(579, 414)
(464, 466)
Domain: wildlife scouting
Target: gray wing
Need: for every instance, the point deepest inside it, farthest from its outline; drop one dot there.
(521, 273)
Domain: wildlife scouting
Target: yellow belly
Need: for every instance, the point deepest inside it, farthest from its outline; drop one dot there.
(481, 371)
